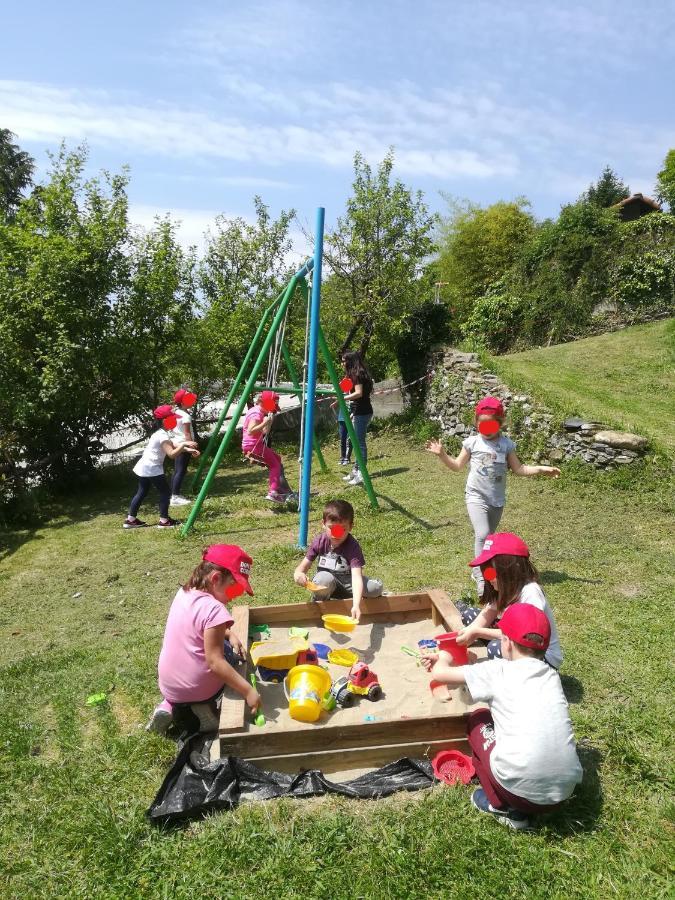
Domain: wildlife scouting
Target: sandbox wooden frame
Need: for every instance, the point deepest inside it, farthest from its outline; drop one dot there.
(339, 746)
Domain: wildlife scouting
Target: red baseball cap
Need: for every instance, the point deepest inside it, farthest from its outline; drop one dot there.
(183, 395)
(490, 406)
(520, 619)
(505, 542)
(269, 400)
(232, 558)
(163, 411)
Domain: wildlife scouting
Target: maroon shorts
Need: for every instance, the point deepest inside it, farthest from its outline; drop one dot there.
(481, 733)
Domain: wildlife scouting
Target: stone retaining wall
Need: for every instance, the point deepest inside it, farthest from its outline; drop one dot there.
(460, 381)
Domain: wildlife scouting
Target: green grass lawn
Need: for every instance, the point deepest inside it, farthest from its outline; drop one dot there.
(625, 378)
(82, 609)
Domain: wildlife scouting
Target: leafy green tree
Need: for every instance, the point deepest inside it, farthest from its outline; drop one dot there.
(665, 182)
(375, 256)
(243, 269)
(16, 173)
(606, 191)
(64, 368)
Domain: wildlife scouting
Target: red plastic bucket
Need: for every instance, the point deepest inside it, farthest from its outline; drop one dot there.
(448, 642)
(451, 766)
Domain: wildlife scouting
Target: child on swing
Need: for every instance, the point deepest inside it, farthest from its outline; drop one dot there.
(200, 650)
(490, 454)
(257, 425)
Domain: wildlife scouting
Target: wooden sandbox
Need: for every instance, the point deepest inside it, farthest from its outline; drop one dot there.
(406, 721)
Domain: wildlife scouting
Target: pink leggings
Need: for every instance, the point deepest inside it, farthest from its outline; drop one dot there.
(271, 459)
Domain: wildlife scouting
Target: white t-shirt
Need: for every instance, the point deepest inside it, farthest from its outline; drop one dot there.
(487, 469)
(184, 418)
(535, 754)
(532, 593)
(152, 461)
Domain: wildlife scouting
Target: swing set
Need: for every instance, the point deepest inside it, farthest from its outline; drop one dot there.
(274, 349)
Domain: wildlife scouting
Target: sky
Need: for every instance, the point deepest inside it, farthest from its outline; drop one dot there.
(210, 103)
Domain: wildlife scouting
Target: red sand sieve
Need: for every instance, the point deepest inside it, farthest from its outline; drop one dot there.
(451, 766)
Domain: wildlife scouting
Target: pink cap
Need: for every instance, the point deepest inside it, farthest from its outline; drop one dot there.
(495, 544)
(232, 558)
(163, 411)
(183, 395)
(490, 406)
(520, 619)
(269, 400)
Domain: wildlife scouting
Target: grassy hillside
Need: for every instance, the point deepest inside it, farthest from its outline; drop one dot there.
(626, 378)
(82, 609)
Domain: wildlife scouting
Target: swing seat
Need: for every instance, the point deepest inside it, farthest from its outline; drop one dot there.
(254, 460)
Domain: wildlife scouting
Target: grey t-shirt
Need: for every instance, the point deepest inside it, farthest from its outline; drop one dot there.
(487, 468)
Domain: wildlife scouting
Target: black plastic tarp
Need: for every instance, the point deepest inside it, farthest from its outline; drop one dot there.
(195, 786)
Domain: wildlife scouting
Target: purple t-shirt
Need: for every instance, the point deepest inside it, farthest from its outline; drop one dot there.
(339, 561)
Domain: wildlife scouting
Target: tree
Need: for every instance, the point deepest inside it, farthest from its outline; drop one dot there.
(478, 246)
(16, 172)
(375, 255)
(607, 191)
(64, 369)
(243, 269)
(665, 182)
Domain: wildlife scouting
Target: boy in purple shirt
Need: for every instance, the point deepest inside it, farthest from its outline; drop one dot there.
(340, 561)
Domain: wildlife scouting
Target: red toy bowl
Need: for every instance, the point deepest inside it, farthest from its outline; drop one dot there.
(448, 642)
(451, 767)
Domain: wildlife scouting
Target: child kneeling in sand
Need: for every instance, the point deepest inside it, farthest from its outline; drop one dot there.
(523, 746)
(200, 649)
(340, 563)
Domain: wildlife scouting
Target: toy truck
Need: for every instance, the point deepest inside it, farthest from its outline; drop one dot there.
(274, 659)
(361, 680)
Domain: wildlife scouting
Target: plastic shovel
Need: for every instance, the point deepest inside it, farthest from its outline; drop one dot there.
(258, 720)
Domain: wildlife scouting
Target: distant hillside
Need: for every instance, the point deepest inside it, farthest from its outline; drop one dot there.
(625, 378)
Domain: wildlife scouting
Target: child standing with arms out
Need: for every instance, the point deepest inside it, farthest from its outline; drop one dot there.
(340, 560)
(183, 431)
(523, 746)
(150, 468)
(510, 578)
(257, 425)
(200, 649)
(490, 454)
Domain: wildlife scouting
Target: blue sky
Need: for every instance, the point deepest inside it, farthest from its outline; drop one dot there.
(212, 102)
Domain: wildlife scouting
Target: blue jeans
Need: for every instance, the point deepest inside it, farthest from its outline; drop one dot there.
(158, 481)
(179, 469)
(361, 424)
(345, 443)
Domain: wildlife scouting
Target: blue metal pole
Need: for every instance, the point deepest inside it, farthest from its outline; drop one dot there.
(310, 394)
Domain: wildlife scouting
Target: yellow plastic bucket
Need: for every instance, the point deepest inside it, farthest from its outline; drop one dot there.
(305, 687)
(339, 623)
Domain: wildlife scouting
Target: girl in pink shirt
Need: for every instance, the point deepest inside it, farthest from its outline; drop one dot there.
(257, 425)
(199, 652)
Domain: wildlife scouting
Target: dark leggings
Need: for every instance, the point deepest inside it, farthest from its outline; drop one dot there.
(179, 470)
(345, 443)
(158, 481)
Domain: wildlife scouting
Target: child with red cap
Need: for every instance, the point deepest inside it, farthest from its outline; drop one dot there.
(257, 425)
(509, 578)
(150, 467)
(490, 454)
(523, 746)
(200, 650)
(183, 400)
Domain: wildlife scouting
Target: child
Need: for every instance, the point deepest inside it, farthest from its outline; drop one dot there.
(340, 566)
(510, 579)
(343, 434)
(257, 425)
(524, 750)
(489, 454)
(183, 399)
(200, 649)
(150, 468)
(360, 406)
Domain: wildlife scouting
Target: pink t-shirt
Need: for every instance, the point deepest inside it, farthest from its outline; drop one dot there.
(184, 675)
(253, 417)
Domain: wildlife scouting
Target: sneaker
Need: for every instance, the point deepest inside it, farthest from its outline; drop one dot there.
(208, 720)
(160, 721)
(134, 523)
(177, 500)
(276, 497)
(512, 818)
(291, 497)
(357, 478)
(350, 476)
(345, 462)
(170, 523)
